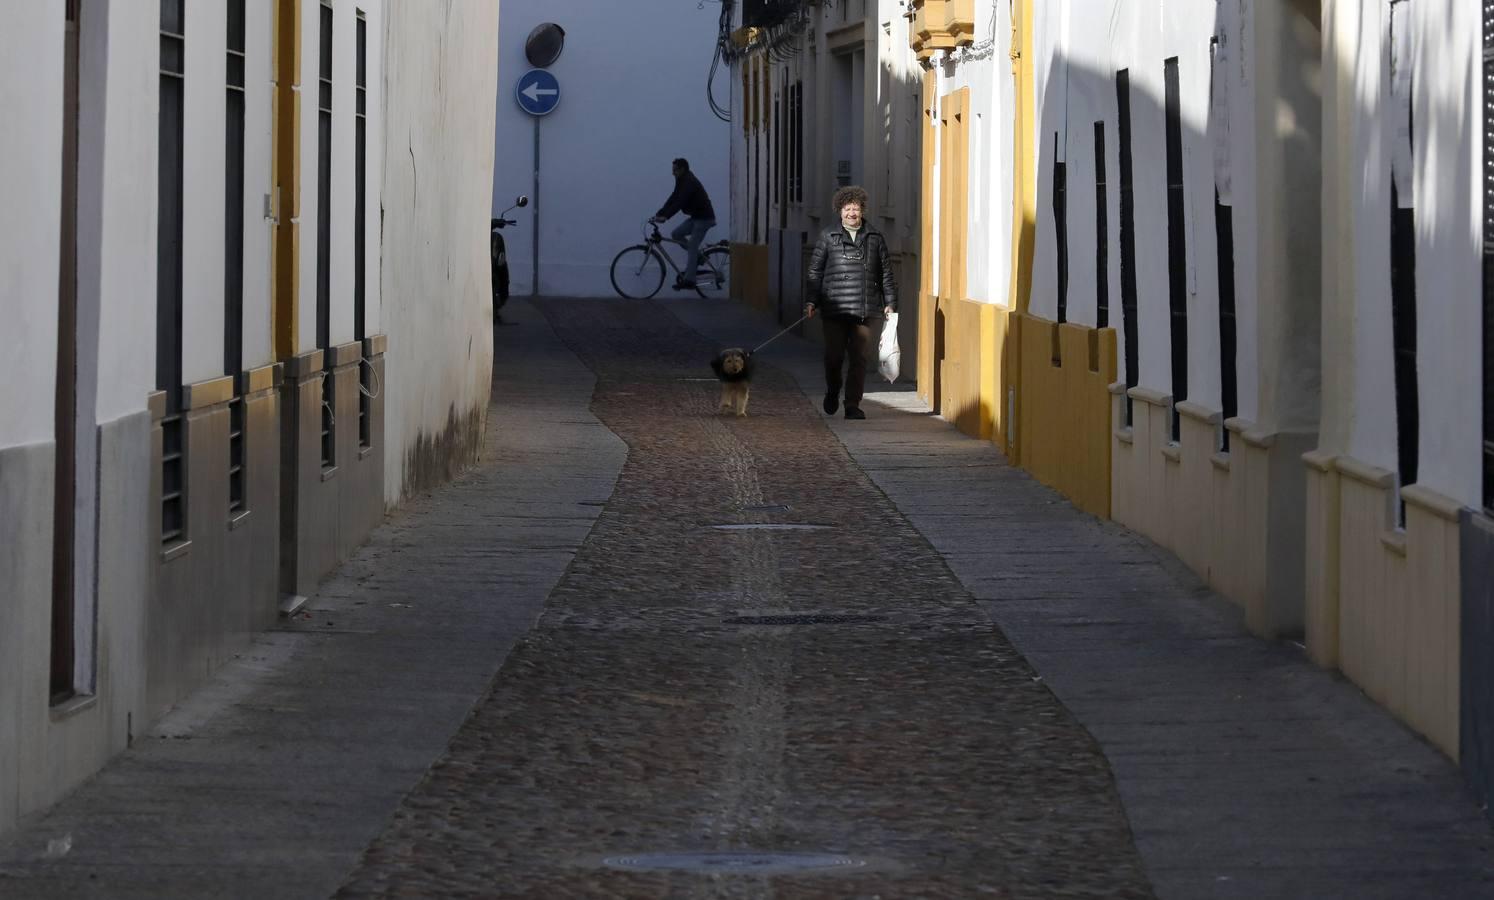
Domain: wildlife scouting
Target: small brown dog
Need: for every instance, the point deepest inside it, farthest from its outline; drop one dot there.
(734, 367)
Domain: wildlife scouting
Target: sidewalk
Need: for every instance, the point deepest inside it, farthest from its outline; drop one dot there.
(647, 696)
(270, 781)
(1246, 770)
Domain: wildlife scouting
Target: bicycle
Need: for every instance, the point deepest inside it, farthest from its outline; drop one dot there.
(638, 271)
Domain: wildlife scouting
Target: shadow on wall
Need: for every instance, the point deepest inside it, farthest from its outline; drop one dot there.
(1218, 306)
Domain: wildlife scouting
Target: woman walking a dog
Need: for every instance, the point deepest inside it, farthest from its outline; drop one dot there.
(851, 285)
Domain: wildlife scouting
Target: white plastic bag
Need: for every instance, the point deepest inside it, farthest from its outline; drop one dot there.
(888, 354)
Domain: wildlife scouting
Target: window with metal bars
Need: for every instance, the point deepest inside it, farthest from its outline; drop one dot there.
(360, 208)
(780, 152)
(1224, 236)
(324, 184)
(237, 477)
(329, 421)
(1403, 253)
(169, 270)
(64, 516)
(1177, 246)
(1129, 325)
(796, 173)
(1102, 234)
(1488, 249)
(233, 250)
(1061, 236)
(1224, 240)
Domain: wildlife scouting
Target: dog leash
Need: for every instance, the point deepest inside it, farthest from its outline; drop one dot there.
(778, 335)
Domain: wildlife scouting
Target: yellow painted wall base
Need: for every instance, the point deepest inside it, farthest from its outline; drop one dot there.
(970, 340)
(1063, 428)
(1235, 518)
(1387, 601)
(749, 276)
(930, 348)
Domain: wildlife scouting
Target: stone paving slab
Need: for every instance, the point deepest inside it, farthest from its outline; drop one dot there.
(677, 696)
(1245, 770)
(271, 780)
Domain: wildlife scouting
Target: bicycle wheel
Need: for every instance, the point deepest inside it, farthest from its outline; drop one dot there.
(637, 273)
(713, 278)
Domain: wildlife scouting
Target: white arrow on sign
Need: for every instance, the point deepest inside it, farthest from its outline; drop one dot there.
(534, 92)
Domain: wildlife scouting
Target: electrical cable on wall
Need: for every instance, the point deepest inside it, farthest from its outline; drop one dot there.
(378, 385)
(723, 41)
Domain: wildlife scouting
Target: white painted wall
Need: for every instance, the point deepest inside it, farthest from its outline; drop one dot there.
(985, 69)
(203, 180)
(259, 78)
(1079, 45)
(118, 98)
(440, 76)
(1372, 437)
(1449, 282)
(344, 62)
(116, 233)
(30, 182)
(633, 97)
(1446, 160)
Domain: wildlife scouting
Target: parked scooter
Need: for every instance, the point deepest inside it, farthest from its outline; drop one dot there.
(500, 255)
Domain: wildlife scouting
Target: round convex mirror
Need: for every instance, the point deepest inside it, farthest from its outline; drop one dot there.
(544, 44)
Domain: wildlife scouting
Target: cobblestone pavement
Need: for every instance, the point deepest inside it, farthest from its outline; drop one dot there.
(696, 685)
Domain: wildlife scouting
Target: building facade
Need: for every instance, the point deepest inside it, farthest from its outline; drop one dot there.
(222, 356)
(822, 95)
(1213, 273)
(1238, 304)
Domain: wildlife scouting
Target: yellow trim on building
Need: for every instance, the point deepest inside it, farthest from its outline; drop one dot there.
(286, 177)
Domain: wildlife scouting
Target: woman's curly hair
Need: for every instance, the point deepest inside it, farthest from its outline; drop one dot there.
(849, 194)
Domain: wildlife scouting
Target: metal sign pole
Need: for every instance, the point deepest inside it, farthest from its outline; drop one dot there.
(534, 284)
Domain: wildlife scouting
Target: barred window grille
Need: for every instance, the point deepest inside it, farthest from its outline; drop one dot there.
(236, 471)
(324, 184)
(169, 270)
(1102, 233)
(360, 208)
(1488, 454)
(1224, 237)
(233, 267)
(64, 499)
(1129, 324)
(329, 422)
(1177, 247)
(1403, 254)
(173, 479)
(1060, 235)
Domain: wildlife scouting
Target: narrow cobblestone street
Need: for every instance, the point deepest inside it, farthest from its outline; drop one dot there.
(649, 651)
(823, 684)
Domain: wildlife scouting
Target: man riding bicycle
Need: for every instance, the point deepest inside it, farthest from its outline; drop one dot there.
(690, 198)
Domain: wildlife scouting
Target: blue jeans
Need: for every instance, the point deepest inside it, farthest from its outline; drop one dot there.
(692, 232)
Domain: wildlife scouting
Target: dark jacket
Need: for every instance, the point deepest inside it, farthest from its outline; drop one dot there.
(852, 278)
(690, 198)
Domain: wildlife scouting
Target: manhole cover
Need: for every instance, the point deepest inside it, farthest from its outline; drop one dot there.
(745, 862)
(768, 526)
(803, 619)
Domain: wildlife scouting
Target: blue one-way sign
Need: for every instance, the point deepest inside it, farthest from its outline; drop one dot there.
(538, 92)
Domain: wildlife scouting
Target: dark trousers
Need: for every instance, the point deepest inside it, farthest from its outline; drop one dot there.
(842, 334)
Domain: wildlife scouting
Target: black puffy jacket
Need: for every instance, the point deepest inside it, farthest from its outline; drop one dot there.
(852, 278)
